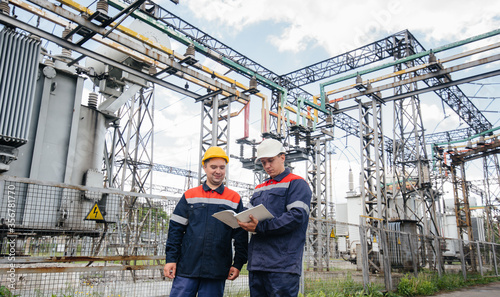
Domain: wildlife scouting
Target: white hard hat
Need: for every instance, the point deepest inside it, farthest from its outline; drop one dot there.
(269, 148)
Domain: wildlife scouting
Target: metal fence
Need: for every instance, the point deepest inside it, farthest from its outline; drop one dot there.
(360, 256)
(66, 240)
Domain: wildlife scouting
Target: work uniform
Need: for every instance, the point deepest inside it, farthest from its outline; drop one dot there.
(199, 243)
(275, 250)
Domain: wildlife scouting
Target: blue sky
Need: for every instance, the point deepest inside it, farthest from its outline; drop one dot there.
(285, 35)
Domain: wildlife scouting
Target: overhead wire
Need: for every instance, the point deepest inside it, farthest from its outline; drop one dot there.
(178, 122)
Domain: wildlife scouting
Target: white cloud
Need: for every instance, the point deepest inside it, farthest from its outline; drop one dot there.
(176, 129)
(339, 26)
(336, 26)
(437, 120)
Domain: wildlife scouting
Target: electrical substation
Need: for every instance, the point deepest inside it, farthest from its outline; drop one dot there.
(81, 214)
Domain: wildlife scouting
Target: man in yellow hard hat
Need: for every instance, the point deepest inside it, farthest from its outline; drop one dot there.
(198, 250)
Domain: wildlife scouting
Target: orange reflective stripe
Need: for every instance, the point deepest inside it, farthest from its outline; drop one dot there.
(198, 192)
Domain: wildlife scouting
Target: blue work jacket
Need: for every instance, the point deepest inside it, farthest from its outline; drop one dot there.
(199, 243)
(278, 244)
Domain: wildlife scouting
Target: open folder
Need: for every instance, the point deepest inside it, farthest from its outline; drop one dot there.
(231, 218)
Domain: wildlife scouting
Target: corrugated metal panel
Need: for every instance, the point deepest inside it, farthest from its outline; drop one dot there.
(19, 57)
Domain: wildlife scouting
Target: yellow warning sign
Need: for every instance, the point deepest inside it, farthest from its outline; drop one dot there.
(94, 214)
(332, 234)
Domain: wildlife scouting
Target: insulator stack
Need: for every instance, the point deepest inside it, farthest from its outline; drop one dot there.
(4, 7)
(190, 52)
(102, 6)
(92, 103)
(49, 62)
(253, 82)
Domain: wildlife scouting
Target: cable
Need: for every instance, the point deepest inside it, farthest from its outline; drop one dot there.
(483, 84)
(179, 122)
(483, 97)
(173, 103)
(178, 100)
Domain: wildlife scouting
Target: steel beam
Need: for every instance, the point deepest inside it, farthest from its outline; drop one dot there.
(101, 58)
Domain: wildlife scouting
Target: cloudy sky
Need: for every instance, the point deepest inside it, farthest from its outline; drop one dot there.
(286, 35)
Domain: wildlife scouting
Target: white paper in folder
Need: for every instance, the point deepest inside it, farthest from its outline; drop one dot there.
(231, 218)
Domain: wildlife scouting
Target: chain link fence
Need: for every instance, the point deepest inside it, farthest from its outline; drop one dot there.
(62, 240)
(364, 256)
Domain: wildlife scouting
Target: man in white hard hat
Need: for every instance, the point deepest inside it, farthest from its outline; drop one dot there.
(276, 246)
(198, 250)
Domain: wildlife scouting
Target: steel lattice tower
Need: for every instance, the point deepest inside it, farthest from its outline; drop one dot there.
(411, 174)
(373, 190)
(131, 153)
(491, 171)
(319, 243)
(215, 127)
(130, 162)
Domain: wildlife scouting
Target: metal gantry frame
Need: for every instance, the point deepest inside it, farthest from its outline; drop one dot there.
(488, 153)
(132, 142)
(486, 149)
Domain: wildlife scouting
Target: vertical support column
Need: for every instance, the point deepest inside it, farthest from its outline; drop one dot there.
(387, 259)
(215, 121)
(491, 171)
(462, 257)
(439, 260)
(479, 258)
(413, 250)
(373, 191)
(411, 174)
(494, 258)
(462, 209)
(132, 152)
(133, 148)
(318, 241)
(214, 128)
(364, 252)
(275, 123)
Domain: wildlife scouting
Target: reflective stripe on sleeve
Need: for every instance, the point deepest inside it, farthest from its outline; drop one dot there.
(298, 204)
(194, 200)
(272, 186)
(179, 219)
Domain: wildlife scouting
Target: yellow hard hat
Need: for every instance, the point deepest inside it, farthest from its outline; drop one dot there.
(214, 152)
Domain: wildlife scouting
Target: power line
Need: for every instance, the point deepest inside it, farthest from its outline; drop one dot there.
(484, 84)
(483, 97)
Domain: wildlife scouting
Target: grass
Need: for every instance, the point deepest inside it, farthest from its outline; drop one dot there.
(430, 284)
(425, 284)
(339, 288)
(4, 291)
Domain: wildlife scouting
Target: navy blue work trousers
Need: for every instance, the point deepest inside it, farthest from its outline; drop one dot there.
(273, 284)
(189, 287)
